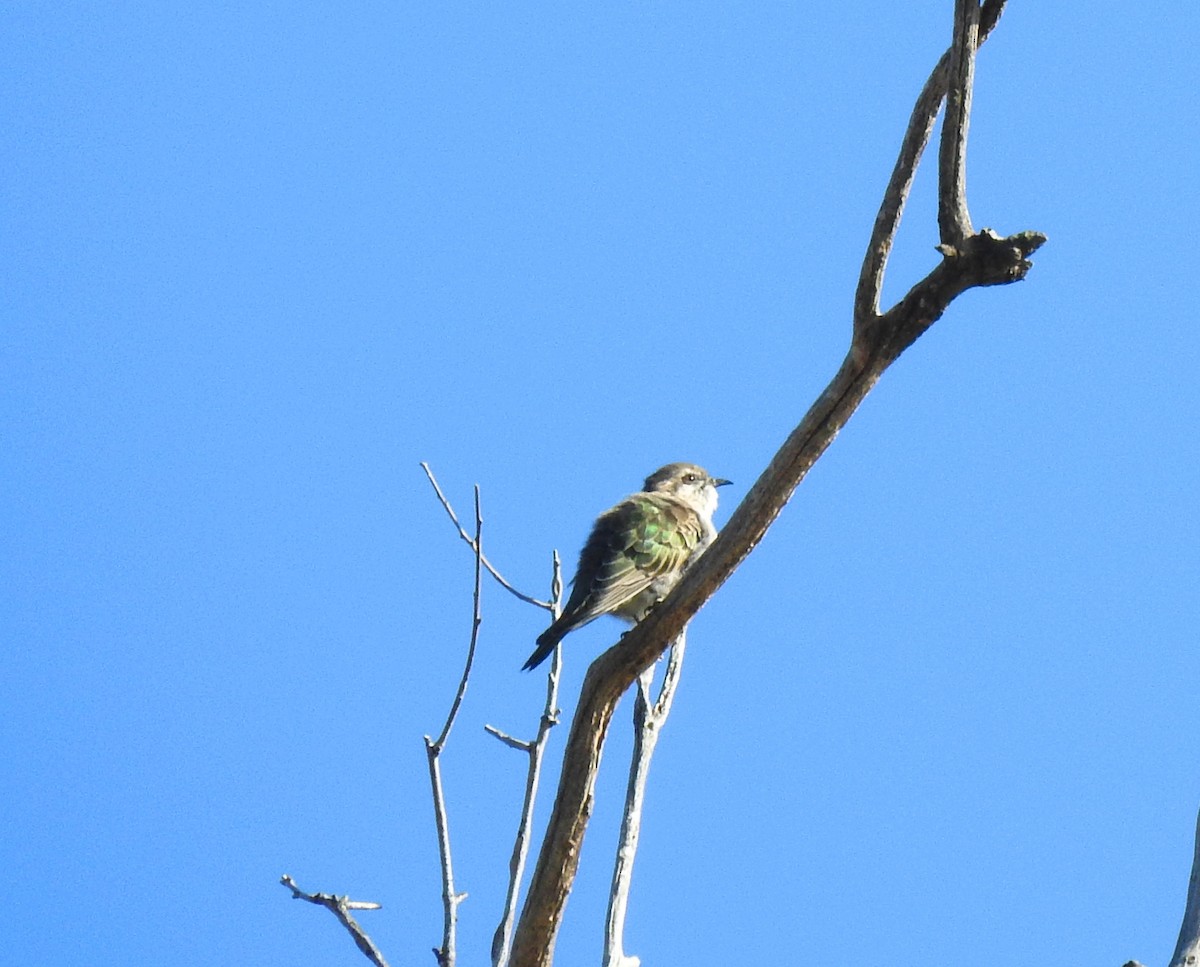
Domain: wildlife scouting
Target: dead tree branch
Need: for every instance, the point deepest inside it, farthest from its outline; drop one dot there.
(895, 196)
(446, 954)
(648, 721)
(983, 259)
(340, 907)
(1187, 948)
(535, 750)
(528, 599)
(954, 221)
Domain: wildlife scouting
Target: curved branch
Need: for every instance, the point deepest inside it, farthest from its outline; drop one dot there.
(912, 146)
(983, 259)
(470, 543)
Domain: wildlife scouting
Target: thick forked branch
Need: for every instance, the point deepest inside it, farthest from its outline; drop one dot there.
(916, 137)
(983, 259)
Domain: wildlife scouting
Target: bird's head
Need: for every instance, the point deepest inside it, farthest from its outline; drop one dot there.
(688, 482)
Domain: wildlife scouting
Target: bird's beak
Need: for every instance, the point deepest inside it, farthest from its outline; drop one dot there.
(720, 481)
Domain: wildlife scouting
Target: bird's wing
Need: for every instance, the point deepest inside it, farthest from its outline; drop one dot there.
(636, 542)
(633, 544)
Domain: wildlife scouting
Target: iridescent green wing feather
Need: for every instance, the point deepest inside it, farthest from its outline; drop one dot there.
(637, 542)
(632, 545)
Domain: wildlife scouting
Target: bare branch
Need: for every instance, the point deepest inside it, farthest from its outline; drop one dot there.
(666, 694)
(1187, 948)
(467, 537)
(912, 146)
(502, 939)
(954, 221)
(446, 954)
(521, 745)
(476, 621)
(340, 907)
(983, 259)
(648, 721)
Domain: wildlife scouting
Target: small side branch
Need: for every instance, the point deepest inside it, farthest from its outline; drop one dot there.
(446, 954)
(648, 721)
(521, 745)
(471, 543)
(340, 907)
(1187, 949)
(502, 939)
(476, 621)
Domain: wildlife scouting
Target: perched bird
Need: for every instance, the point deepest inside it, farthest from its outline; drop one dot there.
(638, 550)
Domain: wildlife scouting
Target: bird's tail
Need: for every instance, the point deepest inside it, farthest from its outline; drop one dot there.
(546, 643)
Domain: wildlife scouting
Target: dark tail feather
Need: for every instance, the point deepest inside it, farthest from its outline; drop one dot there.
(545, 644)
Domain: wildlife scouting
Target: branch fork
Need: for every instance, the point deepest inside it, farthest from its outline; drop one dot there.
(340, 907)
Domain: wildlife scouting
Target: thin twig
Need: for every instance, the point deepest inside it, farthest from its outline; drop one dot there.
(648, 721)
(954, 220)
(547, 605)
(340, 907)
(446, 954)
(521, 745)
(502, 938)
(476, 621)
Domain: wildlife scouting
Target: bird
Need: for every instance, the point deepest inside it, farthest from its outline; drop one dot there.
(638, 550)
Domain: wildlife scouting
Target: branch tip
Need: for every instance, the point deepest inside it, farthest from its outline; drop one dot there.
(500, 579)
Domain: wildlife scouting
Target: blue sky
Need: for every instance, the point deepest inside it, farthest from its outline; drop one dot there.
(259, 261)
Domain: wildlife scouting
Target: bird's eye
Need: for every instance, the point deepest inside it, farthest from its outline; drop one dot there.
(689, 478)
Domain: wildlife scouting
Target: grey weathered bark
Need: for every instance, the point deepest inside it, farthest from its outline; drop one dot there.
(447, 954)
(535, 751)
(648, 720)
(340, 907)
(1187, 948)
(878, 339)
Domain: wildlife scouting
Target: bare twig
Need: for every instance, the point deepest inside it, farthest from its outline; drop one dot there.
(1187, 948)
(521, 745)
(547, 605)
(446, 954)
(502, 939)
(476, 621)
(984, 259)
(340, 907)
(648, 721)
